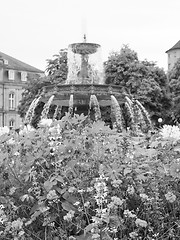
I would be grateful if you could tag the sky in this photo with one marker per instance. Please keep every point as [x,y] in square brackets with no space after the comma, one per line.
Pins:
[34,30]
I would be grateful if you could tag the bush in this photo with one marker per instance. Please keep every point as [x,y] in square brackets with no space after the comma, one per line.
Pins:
[72,177]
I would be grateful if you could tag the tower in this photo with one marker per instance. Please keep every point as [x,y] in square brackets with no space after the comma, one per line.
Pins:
[173,55]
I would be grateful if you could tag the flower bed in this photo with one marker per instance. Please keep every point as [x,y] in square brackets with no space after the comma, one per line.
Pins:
[75,179]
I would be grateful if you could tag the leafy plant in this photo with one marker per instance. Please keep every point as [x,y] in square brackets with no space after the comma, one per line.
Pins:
[75,178]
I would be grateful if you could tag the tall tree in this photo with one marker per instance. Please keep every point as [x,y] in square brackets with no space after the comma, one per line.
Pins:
[174,87]
[142,79]
[56,71]
[57,68]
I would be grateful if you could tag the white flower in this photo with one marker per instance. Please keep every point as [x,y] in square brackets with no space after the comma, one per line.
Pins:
[170,197]
[130,190]
[69,215]
[144,196]
[76,203]
[11,141]
[89,189]
[17,224]
[96,236]
[116,183]
[117,200]
[52,195]
[1,221]
[133,235]
[16,154]
[4,130]
[86,204]
[71,189]
[128,213]
[55,129]
[80,190]
[12,190]
[169,131]
[2,206]
[140,222]
[43,209]
[28,128]
[45,122]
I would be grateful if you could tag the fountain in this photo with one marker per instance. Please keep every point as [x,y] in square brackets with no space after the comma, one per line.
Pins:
[85,89]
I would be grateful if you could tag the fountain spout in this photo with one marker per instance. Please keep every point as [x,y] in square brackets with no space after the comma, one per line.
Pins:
[84,38]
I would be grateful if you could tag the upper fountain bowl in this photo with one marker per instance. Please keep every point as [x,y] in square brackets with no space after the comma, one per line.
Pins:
[84,48]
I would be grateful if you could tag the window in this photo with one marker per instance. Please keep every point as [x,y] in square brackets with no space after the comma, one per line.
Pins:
[11,101]
[5,61]
[11,74]
[11,124]
[24,76]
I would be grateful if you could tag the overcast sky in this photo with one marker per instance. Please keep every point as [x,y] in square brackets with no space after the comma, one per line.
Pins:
[35,30]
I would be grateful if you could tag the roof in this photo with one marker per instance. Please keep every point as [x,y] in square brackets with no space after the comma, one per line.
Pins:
[16,64]
[176,46]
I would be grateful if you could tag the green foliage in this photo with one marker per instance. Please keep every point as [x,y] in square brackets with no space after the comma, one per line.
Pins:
[174,87]
[141,79]
[74,177]
[56,74]
[57,67]
[32,88]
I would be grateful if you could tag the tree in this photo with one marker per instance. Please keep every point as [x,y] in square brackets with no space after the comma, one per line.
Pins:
[33,86]
[56,70]
[174,87]
[57,67]
[143,80]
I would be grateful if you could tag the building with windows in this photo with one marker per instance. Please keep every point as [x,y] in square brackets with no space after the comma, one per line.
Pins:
[173,55]
[13,77]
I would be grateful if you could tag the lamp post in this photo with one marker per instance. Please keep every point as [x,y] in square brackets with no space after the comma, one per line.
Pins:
[160,122]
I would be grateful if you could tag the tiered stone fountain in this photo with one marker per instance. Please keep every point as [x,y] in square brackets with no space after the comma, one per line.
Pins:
[85,88]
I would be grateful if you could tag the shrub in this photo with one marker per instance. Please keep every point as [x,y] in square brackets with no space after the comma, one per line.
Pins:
[72,177]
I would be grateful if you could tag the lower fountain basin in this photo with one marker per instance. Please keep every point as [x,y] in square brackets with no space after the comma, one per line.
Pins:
[81,94]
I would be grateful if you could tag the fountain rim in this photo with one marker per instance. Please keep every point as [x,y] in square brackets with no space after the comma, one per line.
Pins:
[78,47]
[84,43]
[106,86]
[83,91]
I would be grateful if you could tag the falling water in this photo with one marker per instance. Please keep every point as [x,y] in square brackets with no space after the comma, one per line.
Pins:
[130,113]
[44,114]
[57,112]
[93,103]
[128,100]
[96,68]
[30,113]
[89,64]
[71,104]
[138,117]
[145,115]
[116,113]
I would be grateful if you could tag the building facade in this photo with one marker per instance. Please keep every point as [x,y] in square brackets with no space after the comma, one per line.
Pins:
[173,55]
[13,77]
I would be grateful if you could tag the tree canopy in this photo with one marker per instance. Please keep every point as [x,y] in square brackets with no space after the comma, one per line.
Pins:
[174,88]
[143,80]
[56,70]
